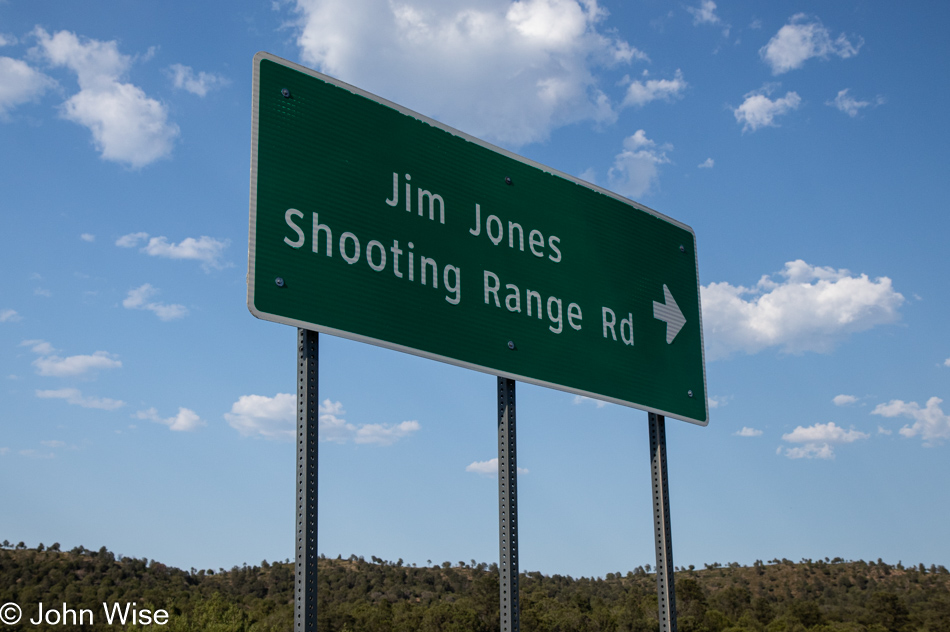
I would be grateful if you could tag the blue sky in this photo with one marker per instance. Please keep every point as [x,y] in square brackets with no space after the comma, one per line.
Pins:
[145,409]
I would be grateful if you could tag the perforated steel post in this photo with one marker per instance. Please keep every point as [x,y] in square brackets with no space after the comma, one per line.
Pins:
[305,589]
[665,587]
[507,508]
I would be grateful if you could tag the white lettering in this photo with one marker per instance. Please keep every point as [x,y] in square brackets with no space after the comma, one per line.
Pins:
[453,287]
[395,200]
[382,255]
[292,212]
[495,239]
[574,311]
[610,320]
[356,247]
[492,289]
[317,227]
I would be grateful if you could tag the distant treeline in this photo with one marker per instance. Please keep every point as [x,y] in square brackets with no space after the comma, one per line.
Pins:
[356,595]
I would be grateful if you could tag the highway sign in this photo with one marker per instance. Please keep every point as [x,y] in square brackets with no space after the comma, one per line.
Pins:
[375,223]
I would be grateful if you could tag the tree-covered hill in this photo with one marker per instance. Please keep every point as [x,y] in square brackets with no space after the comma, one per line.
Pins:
[378,595]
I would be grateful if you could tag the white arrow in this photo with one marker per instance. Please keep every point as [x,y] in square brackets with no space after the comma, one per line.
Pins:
[670,314]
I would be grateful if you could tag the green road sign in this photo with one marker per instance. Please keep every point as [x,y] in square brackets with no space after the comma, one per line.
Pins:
[374,223]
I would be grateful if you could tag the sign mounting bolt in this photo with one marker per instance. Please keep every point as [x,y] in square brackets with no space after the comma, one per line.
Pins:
[285,92]
[508,181]
[682,248]
[511,344]
[690,393]
[279,281]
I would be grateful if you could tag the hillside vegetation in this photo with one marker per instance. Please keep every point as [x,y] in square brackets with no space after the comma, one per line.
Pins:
[382,596]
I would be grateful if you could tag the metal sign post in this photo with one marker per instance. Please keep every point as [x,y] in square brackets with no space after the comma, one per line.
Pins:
[509,606]
[665,588]
[305,559]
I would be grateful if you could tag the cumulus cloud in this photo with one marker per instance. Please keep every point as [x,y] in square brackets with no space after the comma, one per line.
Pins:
[488,468]
[636,168]
[818,440]
[268,417]
[930,422]
[207,250]
[758,110]
[945,362]
[705,13]
[201,83]
[74,396]
[73,366]
[127,126]
[51,365]
[509,72]
[802,39]
[849,105]
[138,298]
[809,308]
[88,237]
[643,92]
[9,316]
[709,163]
[185,421]
[844,400]
[275,418]
[748,432]
[20,83]
[581,399]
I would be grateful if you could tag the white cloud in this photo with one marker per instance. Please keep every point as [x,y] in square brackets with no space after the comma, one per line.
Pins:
[185,421]
[810,308]
[275,418]
[268,417]
[748,432]
[40,347]
[73,366]
[184,78]
[74,396]
[7,40]
[138,299]
[641,93]
[884,431]
[945,362]
[636,169]
[580,399]
[508,72]
[758,110]
[705,13]
[709,163]
[205,249]
[385,434]
[488,468]
[9,316]
[127,126]
[802,39]
[849,105]
[131,240]
[20,83]
[53,444]
[718,402]
[844,400]
[818,440]
[88,237]
[51,365]
[930,422]
[40,291]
